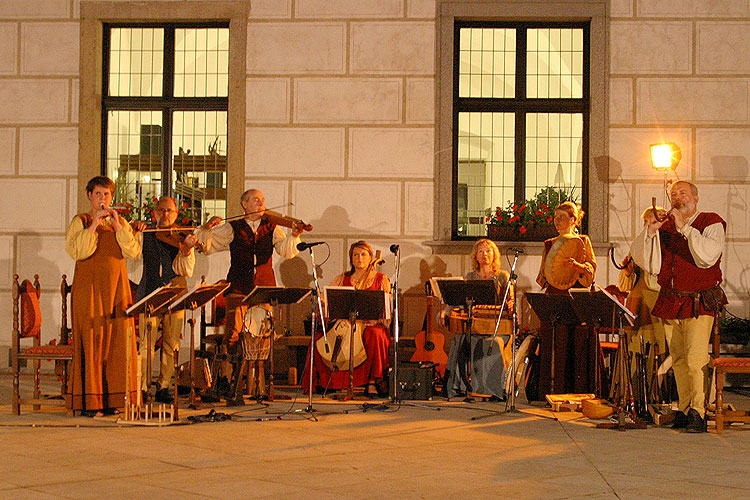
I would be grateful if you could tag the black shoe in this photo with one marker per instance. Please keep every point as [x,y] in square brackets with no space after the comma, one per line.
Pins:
[680,420]
[696,424]
[162,396]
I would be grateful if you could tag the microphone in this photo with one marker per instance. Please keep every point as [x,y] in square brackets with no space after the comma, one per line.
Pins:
[304,246]
[394,248]
[517,250]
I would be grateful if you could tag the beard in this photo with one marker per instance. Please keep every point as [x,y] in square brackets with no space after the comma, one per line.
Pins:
[679,205]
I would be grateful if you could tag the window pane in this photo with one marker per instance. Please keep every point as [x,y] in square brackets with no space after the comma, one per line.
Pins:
[136,59]
[134,149]
[487,62]
[554,152]
[485,167]
[201,62]
[199,148]
[555,63]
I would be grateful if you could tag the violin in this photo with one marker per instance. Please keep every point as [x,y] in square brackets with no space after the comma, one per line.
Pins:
[286,221]
[175,236]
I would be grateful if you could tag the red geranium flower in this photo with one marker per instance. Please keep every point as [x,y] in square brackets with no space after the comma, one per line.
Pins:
[522,229]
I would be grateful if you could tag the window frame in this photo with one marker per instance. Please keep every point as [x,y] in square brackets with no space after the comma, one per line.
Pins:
[94,15]
[520,106]
[595,160]
[167,103]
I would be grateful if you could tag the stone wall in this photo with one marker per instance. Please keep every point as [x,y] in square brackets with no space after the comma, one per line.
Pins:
[679,72]
[340,122]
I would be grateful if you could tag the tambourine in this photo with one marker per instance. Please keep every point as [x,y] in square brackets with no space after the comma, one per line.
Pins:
[557,271]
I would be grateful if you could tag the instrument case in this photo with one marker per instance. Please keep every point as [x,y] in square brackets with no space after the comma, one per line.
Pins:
[416,381]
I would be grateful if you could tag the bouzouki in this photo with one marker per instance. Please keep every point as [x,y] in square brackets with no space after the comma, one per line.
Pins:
[430,344]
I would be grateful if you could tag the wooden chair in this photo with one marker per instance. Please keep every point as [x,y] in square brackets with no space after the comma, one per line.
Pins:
[27,326]
[722,365]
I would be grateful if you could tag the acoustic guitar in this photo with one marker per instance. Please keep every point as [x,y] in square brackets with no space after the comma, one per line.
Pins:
[430,343]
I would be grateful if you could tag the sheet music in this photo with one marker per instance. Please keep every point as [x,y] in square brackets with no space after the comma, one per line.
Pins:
[219,288]
[629,316]
[436,288]
[157,291]
[386,296]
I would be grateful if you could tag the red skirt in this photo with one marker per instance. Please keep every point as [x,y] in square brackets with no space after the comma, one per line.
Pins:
[376,341]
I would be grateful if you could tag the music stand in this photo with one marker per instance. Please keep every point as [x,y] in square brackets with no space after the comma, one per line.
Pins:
[468,293]
[154,303]
[197,297]
[596,307]
[345,302]
[553,309]
[274,295]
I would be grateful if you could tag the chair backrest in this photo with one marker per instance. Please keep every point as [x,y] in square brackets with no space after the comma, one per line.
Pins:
[27,316]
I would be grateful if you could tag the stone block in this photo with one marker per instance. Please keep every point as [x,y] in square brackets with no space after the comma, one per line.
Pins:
[620,101]
[34,101]
[45,256]
[692,8]
[270,9]
[621,8]
[43,202]
[421,8]
[267,100]
[51,151]
[722,154]
[214,267]
[630,150]
[8,48]
[297,272]
[49,49]
[731,202]
[736,270]
[46,9]
[7,150]
[296,152]
[391,152]
[419,206]
[72,206]
[650,47]
[722,47]
[276,194]
[621,211]
[348,9]
[404,47]
[420,100]
[6,261]
[697,100]
[347,100]
[306,48]
[75,96]
[349,207]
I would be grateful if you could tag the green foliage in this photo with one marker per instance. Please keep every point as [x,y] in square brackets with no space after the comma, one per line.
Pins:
[536,211]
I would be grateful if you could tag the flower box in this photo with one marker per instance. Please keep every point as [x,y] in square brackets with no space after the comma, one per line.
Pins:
[541,232]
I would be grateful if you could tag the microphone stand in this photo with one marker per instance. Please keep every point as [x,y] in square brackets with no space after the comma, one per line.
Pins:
[315,311]
[396,326]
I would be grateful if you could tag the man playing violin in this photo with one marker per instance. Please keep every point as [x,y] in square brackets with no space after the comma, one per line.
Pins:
[685,250]
[165,260]
[251,242]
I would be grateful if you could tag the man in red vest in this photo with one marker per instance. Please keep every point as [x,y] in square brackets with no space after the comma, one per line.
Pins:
[251,242]
[685,251]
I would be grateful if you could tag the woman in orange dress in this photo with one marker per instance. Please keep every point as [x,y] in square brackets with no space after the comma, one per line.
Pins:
[100,241]
[375,337]
[575,346]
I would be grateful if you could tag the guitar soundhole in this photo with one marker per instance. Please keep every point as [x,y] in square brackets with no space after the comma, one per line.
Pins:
[429,346]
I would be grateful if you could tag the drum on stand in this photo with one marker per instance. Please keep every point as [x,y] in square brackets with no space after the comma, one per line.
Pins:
[255,341]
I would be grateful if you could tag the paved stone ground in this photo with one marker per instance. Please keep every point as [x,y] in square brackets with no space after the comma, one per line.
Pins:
[462,451]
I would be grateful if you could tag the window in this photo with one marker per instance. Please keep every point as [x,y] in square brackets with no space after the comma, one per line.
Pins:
[521,101]
[521,105]
[165,115]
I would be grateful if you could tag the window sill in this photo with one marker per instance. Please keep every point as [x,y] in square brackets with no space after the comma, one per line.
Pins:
[463,247]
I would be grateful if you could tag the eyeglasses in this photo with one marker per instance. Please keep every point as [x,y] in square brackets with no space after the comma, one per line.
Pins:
[166,210]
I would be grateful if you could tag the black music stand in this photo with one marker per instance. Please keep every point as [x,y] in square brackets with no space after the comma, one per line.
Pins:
[601,306]
[345,302]
[197,297]
[155,303]
[274,295]
[553,309]
[468,293]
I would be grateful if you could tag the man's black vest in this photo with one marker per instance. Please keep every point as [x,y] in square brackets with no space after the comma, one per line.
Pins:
[251,253]
[157,265]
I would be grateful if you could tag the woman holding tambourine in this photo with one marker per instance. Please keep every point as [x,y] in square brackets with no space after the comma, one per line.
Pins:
[568,261]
